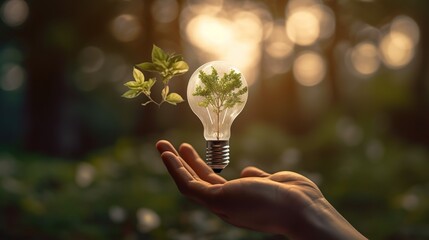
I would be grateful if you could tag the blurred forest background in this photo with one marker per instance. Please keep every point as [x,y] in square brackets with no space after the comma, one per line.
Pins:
[338,92]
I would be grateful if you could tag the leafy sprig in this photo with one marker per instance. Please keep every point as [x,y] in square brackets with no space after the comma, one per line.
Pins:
[167,66]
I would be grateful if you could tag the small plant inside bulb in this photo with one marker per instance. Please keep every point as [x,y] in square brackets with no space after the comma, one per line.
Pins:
[217,92]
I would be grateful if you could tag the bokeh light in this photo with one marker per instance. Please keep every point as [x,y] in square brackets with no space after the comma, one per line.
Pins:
[398,45]
[119,69]
[165,11]
[91,59]
[348,132]
[7,165]
[147,219]
[326,19]
[290,157]
[278,48]
[14,12]
[125,28]
[374,149]
[302,27]
[117,214]
[278,45]
[308,21]
[309,68]
[410,201]
[12,77]
[12,185]
[364,58]
[407,26]
[85,174]
[397,49]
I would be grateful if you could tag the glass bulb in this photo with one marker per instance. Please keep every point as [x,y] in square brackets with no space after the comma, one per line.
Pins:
[217,92]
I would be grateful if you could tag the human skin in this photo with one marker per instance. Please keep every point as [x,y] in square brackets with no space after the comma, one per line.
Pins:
[284,203]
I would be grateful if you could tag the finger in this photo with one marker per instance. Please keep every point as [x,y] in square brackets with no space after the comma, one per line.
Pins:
[188,153]
[164,146]
[253,172]
[186,182]
[176,169]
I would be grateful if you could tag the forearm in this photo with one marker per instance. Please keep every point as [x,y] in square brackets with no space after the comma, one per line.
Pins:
[322,221]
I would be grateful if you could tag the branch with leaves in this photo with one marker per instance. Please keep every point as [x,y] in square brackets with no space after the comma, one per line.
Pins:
[220,93]
[167,66]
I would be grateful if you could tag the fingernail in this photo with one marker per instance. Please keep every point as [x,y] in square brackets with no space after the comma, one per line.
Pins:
[160,145]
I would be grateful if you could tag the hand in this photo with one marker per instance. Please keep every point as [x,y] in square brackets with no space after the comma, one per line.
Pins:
[283,203]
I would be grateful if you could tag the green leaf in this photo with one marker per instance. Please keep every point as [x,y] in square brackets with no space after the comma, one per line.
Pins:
[131,93]
[203,104]
[148,66]
[151,82]
[179,67]
[158,55]
[175,58]
[133,84]
[147,86]
[138,75]
[174,98]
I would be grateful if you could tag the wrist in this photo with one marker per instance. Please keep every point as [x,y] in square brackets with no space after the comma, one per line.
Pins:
[320,220]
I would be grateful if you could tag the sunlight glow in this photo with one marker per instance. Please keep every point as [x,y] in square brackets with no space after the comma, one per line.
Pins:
[234,37]
[209,32]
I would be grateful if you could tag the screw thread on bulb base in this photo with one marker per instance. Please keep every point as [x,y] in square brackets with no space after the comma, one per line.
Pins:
[217,155]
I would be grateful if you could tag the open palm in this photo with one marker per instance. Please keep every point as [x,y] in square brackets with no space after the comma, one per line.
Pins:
[283,203]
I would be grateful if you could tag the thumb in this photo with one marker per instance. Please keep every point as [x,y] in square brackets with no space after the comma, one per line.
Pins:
[253,172]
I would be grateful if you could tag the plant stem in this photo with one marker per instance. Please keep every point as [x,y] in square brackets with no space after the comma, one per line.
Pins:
[153,101]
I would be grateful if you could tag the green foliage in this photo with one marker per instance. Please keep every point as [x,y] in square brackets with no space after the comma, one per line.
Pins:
[220,93]
[167,66]
[43,198]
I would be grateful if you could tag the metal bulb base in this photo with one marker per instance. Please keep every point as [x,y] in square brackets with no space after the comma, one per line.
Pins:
[217,155]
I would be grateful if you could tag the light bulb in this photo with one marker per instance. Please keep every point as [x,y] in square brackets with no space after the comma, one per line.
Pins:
[217,92]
